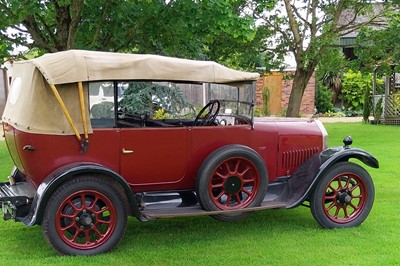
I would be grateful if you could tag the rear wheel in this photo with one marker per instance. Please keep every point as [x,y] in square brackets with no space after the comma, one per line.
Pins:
[84,216]
[344,197]
[231,178]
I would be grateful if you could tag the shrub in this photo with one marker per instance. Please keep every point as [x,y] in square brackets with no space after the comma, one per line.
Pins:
[334,114]
[257,112]
[102,110]
[323,99]
[282,113]
[353,92]
[265,99]
[161,114]
[147,98]
[350,112]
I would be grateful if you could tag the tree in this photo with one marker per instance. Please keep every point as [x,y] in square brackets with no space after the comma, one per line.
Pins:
[213,30]
[47,25]
[380,46]
[330,71]
[308,29]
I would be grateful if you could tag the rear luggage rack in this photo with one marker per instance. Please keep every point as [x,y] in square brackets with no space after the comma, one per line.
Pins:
[18,194]
[14,197]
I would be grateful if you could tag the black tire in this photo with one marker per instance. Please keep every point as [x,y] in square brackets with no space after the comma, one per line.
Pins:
[343,197]
[232,177]
[96,227]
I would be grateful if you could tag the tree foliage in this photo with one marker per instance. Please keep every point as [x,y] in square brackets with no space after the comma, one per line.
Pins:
[380,46]
[354,86]
[48,25]
[239,33]
[330,71]
[307,30]
[323,99]
[213,30]
[148,98]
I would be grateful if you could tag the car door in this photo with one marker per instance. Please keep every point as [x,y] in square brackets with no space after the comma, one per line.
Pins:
[154,158]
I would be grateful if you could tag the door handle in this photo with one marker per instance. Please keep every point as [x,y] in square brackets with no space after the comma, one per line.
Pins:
[126,151]
[28,148]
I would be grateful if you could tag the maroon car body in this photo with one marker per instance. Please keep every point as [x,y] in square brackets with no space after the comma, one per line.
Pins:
[80,182]
[172,158]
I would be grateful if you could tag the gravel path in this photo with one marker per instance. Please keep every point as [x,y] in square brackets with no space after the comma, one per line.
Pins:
[341,119]
[322,119]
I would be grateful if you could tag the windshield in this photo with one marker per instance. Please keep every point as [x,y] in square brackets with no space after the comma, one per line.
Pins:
[234,100]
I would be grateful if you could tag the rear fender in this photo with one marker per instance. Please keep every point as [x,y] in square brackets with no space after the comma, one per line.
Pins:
[326,159]
[54,180]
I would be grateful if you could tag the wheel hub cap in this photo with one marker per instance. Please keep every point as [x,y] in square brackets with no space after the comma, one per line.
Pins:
[233,185]
[344,197]
[85,219]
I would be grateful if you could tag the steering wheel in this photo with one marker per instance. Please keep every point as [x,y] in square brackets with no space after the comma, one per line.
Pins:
[206,119]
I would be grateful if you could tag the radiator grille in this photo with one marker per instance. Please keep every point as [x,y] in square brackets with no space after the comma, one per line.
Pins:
[291,159]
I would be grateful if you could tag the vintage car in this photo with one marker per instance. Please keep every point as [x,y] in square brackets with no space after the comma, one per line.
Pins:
[98,136]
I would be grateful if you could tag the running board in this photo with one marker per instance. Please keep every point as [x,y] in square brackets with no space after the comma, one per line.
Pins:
[168,205]
[171,209]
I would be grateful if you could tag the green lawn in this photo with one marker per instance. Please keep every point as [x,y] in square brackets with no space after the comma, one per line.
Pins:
[271,237]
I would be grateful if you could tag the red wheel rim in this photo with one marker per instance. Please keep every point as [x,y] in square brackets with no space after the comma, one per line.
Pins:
[344,198]
[86,219]
[234,184]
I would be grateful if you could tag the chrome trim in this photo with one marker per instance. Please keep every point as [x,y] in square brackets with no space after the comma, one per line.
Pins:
[126,151]
[324,134]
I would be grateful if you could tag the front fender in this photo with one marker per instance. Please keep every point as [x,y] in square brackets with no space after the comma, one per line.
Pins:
[333,155]
[52,182]
[326,159]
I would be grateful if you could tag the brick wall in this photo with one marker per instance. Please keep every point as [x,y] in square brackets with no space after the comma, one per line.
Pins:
[308,100]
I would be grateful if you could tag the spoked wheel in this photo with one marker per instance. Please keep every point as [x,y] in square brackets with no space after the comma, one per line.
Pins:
[234,184]
[344,197]
[85,216]
[233,177]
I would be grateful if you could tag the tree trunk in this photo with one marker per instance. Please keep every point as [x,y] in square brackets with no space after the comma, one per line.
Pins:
[300,81]
[76,10]
[63,20]
[60,36]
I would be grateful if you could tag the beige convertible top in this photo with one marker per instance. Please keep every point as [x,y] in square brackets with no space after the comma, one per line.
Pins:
[77,65]
[33,106]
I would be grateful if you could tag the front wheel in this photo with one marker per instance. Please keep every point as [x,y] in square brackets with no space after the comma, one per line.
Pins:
[84,216]
[343,197]
[231,178]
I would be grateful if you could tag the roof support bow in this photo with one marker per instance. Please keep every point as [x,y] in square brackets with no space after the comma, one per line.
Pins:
[83,143]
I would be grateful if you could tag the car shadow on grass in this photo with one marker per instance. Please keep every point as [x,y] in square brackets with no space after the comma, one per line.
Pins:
[194,231]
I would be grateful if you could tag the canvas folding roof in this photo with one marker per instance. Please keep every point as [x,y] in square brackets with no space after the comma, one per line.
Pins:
[78,65]
[33,105]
